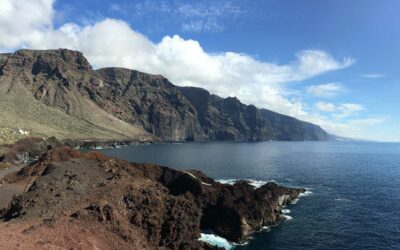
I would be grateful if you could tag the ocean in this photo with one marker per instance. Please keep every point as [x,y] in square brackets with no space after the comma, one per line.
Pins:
[353,199]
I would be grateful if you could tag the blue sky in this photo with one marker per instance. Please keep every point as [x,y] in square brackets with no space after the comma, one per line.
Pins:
[333,62]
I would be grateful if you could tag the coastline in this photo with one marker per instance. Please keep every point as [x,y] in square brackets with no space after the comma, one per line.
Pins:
[190,187]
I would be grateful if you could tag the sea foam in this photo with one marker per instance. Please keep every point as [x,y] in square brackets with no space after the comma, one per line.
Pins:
[306,193]
[287,217]
[216,240]
[255,183]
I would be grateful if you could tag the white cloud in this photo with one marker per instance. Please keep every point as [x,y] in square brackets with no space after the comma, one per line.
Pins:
[343,110]
[201,10]
[198,16]
[150,7]
[117,8]
[325,107]
[202,25]
[112,42]
[351,107]
[367,121]
[22,21]
[348,109]
[373,75]
[315,61]
[203,16]
[327,89]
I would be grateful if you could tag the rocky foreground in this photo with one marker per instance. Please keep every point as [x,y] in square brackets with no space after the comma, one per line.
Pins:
[76,200]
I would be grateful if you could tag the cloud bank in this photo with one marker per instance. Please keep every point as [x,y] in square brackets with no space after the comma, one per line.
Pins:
[111,42]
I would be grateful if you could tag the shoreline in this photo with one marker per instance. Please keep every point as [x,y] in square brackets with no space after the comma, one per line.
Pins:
[80,185]
[113,143]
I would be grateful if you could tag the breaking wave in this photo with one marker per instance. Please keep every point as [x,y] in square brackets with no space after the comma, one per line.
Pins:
[216,240]
[253,182]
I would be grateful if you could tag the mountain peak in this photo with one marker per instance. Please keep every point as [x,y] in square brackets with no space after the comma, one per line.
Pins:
[45,61]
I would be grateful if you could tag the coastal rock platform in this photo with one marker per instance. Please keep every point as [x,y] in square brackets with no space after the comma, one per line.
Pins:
[83,200]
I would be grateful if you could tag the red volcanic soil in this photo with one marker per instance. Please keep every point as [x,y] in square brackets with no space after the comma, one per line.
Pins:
[78,200]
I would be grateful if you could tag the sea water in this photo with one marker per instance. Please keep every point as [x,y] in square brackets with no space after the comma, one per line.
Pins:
[353,188]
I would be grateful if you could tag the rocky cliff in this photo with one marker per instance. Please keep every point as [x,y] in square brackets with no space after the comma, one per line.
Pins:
[75,101]
[76,200]
[229,119]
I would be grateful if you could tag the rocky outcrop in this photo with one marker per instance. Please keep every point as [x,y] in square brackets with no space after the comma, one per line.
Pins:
[127,203]
[122,103]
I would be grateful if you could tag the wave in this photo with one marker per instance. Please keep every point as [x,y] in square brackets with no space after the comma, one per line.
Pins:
[216,240]
[254,182]
[308,192]
[286,211]
[287,217]
[342,199]
[266,228]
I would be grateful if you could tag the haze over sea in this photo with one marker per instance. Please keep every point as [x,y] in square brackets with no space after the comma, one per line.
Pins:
[355,200]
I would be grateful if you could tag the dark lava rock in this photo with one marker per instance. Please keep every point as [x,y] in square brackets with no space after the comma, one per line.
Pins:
[27,150]
[167,207]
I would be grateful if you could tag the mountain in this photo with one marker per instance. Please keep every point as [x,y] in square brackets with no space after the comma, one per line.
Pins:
[57,93]
[229,119]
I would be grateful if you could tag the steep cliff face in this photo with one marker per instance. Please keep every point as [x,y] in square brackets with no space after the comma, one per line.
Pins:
[149,101]
[229,119]
[126,103]
[290,129]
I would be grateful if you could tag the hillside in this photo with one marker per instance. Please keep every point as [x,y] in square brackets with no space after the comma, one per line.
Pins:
[57,93]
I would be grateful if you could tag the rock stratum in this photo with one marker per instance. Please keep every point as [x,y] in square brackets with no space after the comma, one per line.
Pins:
[58,93]
[76,200]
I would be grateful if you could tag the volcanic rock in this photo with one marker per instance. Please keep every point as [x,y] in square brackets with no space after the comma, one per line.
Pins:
[129,203]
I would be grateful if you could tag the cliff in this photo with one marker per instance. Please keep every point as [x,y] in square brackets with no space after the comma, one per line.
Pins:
[57,93]
[229,119]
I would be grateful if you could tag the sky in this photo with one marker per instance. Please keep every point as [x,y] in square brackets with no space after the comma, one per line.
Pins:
[332,62]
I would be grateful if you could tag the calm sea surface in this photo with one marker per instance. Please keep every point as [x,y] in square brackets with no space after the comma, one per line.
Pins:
[355,200]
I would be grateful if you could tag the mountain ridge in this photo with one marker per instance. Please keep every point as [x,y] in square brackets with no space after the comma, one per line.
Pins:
[112,103]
